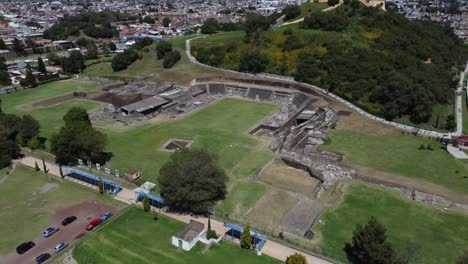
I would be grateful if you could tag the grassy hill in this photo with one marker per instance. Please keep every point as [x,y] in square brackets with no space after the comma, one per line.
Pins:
[386,64]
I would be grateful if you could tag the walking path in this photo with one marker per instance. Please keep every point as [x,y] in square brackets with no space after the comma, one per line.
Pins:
[271,248]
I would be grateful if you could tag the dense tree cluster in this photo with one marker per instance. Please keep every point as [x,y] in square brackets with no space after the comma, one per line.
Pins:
[16,131]
[171,58]
[4,76]
[74,63]
[291,11]
[121,61]
[296,258]
[210,26]
[162,48]
[78,139]
[93,24]
[192,181]
[380,61]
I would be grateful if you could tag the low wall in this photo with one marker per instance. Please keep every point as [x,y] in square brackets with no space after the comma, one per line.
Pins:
[289,79]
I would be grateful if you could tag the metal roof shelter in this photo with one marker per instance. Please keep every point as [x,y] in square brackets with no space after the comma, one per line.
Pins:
[154,200]
[108,185]
[145,106]
[259,240]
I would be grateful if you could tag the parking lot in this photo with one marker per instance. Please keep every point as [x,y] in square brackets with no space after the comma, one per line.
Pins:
[85,212]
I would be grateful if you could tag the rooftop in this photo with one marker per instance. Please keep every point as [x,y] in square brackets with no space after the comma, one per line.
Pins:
[190,231]
[145,104]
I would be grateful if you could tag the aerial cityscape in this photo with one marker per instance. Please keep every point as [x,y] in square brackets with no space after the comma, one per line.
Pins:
[234,131]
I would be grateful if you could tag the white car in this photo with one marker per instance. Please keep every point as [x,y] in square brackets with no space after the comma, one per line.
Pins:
[50,231]
[59,247]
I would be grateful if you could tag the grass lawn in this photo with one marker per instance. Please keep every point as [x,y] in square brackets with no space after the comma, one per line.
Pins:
[240,198]
[221,128]
[28,201]
[442,236]
[50,118]
[399,154]
[135,237]
[182,73]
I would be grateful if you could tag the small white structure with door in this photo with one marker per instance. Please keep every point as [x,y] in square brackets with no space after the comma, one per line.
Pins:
[188,237]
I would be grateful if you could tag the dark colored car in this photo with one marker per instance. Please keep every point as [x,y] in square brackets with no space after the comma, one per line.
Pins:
[21,249]
[93,224]
[42,257]
[106,216]
[68,220]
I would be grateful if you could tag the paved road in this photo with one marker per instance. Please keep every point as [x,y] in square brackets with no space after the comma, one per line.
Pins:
[459,104]
[271,248]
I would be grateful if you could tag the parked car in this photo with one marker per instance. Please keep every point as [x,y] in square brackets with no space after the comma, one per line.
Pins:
[59,247]
[93,224]
[50,231]
[42,257]
[21,249]
[106,216]
[68,220]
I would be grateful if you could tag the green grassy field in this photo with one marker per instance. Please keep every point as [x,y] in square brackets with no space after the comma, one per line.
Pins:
[135,237]
[221,128]
[28,201]
[442,236]
[399,154]
[50,118]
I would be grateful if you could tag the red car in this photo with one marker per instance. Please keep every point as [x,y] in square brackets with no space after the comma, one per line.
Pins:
[93,224]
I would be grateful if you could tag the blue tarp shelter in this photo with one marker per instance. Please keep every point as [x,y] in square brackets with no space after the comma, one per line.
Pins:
[112,186]
[154,200]
[258,239]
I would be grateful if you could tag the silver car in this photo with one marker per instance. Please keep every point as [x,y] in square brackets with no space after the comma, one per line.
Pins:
[50,231]
[59,247]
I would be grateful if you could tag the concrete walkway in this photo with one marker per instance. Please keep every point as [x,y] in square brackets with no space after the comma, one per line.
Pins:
[456,152]
[271,248]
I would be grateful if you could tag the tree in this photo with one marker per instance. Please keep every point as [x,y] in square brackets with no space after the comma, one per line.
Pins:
[112,46]
[121,61]
[148,20]
[255,22]
[40,65]
[450,123]
[210,233]
[463,259]
[296,258]
[171,58]
[18,47]
[78,139]
[74,63]
[333,2]
[101,186]
[369,246]
[162,48]
[34,143]
[36,166]
[210,26]
[29,128]
[166,22]
[61,172]
[4,78]
[253,61]
[291,11]
[246,239]
[92,51]
[146,204]
[192,181]
[44,166]
[3,46]
[30,79]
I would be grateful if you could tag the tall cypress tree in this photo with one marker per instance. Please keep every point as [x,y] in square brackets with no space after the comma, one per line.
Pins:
[246,239]
[40,65]
[30,79]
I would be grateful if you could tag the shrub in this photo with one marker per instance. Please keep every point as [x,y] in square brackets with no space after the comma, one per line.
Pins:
[171,58]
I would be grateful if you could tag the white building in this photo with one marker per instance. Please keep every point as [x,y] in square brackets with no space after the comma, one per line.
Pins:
[188,237]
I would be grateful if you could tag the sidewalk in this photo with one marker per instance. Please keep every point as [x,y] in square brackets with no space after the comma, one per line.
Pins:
[271,248]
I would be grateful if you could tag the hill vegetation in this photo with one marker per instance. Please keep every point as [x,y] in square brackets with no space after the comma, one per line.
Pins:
[93,24]
[379,60]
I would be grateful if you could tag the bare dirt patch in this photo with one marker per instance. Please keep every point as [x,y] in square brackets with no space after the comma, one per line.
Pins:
[280,175]
[301,217]
[270,210]
[84,211]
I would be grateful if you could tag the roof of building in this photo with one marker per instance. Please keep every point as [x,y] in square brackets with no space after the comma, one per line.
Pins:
[145,104]
[190,231]
[132,171]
